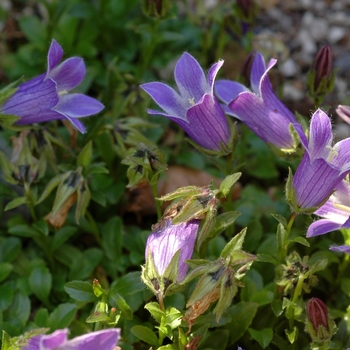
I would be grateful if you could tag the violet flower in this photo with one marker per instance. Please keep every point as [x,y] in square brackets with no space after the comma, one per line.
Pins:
[194,108]
[259,109]
[344,113]
[335,212]
[323,166]
[45,97]
[166,241]
[105,339]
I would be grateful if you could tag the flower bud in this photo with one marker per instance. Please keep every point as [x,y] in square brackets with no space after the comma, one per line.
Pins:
[247,7]
[322,65]
[167,249]
[318,324]
[155,8]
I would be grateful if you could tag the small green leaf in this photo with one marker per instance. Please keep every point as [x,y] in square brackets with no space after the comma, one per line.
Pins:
[235,243]
[62,316]
[9,249]
[262,336]
[16,203]
[281,219]
[41,317]
[292,335]
[7,293]
[85,156]
[228,182]
[5,270]
[80,291]
[98,317]
[40,282]
[145,334]
[155,310]
[122,306]
[300,240]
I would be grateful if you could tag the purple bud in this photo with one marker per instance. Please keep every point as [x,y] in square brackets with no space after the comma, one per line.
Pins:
[317,313]
[166,241]
[322,65]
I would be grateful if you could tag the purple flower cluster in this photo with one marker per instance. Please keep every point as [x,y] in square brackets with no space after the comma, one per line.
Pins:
[46,97]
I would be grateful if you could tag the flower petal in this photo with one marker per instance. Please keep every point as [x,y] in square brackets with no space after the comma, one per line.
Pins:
[344,113]
[105,339]
[213,71]
[47,341]
[321,227]
[167,99]
[341,248]
[265,122]
[321,135]
[77,123]
[228,90]
[258,70]
[78,105]
[190,78]
[69,74]
[54,55]
[207,123]
[33,102]
[341,158]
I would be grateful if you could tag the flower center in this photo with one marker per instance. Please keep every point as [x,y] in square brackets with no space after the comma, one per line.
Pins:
[191,101]
[332,153]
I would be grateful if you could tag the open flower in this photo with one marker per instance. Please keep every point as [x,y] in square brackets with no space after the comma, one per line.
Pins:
[105,339]
[323,167]
[335,212]
[167,240]
[194,108]
[259,109]
[45,97]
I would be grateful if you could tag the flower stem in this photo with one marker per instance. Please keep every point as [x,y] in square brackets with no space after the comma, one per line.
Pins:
[155,195]
[30,201]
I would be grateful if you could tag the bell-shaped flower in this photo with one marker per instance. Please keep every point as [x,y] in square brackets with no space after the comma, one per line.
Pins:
[166,241]
[105,339]
[323,166]
[259,109]
[335,213]
[46,97]
[194,107]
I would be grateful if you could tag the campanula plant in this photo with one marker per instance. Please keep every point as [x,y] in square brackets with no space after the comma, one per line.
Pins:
[46,97]
[194,107]
[259,109]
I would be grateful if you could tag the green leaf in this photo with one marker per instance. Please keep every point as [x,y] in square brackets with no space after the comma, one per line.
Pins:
[155,310]
[262,297]
[34,29]
[41,317]
[345,286]
[145,334]
[223,221]
[19,311]
[228,182]
[16,203]
[266,258]
[277,307]
[9,249]
[112,238]
[54,182]
[318,266]
[129,284]
[62,316]
[281,219]
[7,293]
[262,336]
[80,291]
[5,270]
[122,305]
[40,282]
[242,316]
[87,262]
[23,231]
[235,243]
[300,240]
[61,236]
[98,317]
[85,156]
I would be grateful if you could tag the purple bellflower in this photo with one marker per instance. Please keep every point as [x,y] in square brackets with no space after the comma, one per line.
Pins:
[166,241]
[105,339]
[194,108]
[45,97]
[259,109]
[335,214]
[323,166]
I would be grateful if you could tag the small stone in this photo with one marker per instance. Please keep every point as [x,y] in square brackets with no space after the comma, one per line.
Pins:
[290,92]
[335,34]
[307,42]
[289,68]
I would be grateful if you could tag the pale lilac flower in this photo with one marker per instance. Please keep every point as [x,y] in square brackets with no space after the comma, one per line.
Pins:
[194,108]
[166,241]
[259,109]
[335,212]
[45,97]
[341,249]
[105,339]
[323,166]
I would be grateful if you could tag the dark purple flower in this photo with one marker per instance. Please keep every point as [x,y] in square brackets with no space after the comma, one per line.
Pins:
[259,109]
[335,212]
[105,339]
[323,166]
[194,108]
[166,241]
[46,97]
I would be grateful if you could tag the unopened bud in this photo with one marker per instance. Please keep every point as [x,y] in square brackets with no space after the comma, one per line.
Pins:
[247,7]
[323,65]
[318,324]
[155,8]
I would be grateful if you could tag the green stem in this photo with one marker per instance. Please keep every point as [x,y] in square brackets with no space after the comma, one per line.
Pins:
[155,195]
[30,201]
[297,292]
